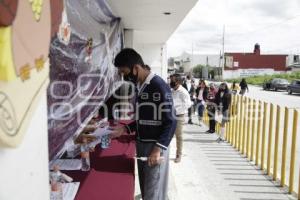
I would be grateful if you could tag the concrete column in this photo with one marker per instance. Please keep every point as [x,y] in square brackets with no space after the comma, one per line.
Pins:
[128,37]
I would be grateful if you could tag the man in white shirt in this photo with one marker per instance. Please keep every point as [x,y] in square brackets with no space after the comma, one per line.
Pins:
[190,87]
[182,103]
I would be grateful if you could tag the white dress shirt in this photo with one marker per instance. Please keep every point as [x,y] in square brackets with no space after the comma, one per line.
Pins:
[182,100]
[200,95]
[188,85]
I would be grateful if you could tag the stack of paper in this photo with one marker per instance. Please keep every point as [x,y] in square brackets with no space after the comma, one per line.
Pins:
[70,190]
[67,164]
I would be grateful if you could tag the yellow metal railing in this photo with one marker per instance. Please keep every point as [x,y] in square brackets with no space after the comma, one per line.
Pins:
[255,130]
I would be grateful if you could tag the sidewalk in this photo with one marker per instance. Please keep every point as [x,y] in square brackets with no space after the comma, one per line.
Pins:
[213,171]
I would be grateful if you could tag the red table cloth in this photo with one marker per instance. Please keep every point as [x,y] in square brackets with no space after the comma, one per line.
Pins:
[112,172]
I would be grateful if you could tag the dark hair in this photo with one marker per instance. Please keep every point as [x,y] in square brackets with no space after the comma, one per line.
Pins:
[233,84]
[226,87]
[177,78]
[188,77]
[128,58]
[146,67]
[202,81]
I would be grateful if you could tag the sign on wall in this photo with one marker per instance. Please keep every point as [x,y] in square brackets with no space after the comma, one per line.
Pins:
[24,43]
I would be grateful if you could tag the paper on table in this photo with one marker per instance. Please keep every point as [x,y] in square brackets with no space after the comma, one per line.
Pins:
[98,133]
[67,164]
[70,190]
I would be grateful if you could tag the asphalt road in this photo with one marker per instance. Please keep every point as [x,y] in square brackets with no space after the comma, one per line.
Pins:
[281,98]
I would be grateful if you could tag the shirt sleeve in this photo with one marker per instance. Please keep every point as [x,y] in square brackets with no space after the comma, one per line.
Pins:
[168,118]
[131,127]
[185,98]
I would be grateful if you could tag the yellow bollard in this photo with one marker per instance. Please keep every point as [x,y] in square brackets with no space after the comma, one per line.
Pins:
[263,138]
[230,123]
[254,120]
[244,124]
[249,125]
[276,143]
[253,130]
[299,186]
[270,139]
[237,121]
[284,144]
[233,120]
[293,152]
[241,123]
[258,134]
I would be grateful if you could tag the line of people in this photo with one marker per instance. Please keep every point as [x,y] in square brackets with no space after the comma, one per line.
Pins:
[215,99]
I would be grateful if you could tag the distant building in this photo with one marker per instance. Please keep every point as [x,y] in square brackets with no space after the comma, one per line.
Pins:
[251,64]
[294,63]
[186,62]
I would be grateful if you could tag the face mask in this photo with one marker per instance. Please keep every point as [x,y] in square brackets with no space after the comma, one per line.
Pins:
[173,84]
[131,77]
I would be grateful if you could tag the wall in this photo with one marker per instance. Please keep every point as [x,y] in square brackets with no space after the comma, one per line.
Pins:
[228,74]
[154,56]
[24,171]
[249,60]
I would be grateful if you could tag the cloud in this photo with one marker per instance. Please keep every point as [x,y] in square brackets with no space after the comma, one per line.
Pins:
[274,24]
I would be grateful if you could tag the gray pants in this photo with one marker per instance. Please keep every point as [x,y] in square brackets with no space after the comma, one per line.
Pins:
[153,180]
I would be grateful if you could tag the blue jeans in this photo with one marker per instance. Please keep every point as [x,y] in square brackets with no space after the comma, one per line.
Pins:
[200,108]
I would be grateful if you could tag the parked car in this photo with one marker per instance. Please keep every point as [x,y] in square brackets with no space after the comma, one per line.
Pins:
[276,84]
[294,87]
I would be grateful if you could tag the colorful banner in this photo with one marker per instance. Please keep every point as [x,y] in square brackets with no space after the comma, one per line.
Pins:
[82,75]
[25,28]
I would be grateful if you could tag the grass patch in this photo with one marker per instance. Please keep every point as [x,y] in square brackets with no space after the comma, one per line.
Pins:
[259,80]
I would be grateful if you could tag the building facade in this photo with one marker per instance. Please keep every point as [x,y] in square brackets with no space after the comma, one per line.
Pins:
[251,64]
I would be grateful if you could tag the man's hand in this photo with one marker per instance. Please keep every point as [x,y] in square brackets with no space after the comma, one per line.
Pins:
[154,158]
[117,131]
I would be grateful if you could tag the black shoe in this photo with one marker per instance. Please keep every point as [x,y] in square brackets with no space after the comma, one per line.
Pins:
[190,122]
[212,132]
[208,131]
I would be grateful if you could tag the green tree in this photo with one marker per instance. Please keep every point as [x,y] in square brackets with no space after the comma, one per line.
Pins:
[197,71]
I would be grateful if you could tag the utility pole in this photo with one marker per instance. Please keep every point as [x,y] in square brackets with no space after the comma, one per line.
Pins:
[192,59]
[223,49]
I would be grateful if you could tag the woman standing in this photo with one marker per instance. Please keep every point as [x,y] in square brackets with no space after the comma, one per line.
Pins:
[223,101]
[234,87]
[244,87]
[201,95]
[211,107]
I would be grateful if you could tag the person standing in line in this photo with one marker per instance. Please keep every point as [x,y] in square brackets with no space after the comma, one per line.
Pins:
[223,101]
[244,87]
[201,95]
[182,103]
[154,123]
[211,107]
[234,88]
[189,85]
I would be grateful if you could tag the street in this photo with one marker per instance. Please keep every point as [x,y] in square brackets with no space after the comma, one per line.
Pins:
[281,98]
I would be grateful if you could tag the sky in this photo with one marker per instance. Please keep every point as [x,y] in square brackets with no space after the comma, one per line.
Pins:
[274,24]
